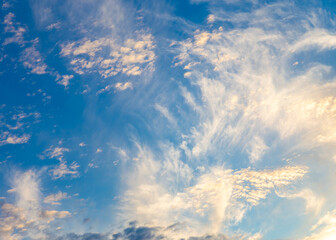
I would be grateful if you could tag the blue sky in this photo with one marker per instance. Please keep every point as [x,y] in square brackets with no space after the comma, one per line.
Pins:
[191,119]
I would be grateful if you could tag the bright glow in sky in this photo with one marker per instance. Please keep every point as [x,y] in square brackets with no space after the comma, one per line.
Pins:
[185,119]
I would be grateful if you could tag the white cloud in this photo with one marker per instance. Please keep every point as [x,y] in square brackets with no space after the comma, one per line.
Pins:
[52,214]
[165,112]
[319,39]
[314,203]
[6,4]
[123,86]
[131,57]
[242,101]
[211,18]
[201,38]
[15,121]
[8,138]
[26,217]
[325,228]
[54,26]
[64,80]
[105,89]
[118,86]
[56,152]
[63,169]
[55,198]
[218,196]
[33,60]
[256,149]
[190,99]
[14,28]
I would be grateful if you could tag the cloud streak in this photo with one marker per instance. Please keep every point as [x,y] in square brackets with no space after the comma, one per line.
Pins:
[244,101]
[222,196]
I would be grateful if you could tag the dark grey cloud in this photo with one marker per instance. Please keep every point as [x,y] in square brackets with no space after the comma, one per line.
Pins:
[134,232]
[86,236]
[210,237]
[131,232]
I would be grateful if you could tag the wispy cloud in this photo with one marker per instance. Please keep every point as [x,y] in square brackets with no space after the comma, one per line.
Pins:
[26,217]
[56,152]
[63,169]
[247,93]
[14,125]
[118,86]
[244,101]
[314,203]
[324,228]
[222,196]
[165,112]
[54,26]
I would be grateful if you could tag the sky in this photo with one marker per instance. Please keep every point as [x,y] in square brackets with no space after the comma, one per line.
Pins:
[168,119]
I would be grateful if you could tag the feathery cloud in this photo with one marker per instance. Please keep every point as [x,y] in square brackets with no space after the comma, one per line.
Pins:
[26,217]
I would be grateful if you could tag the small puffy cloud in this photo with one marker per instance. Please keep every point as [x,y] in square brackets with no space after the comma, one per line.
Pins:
[56,152]
[131,57]
[211,18]
[15,29]
[63,169]
[92,164]
[7,138]
[52,214]
[99,150]
[6,4]
[55,198]
[14,122]
[54,26]
[187,74]
[118,86]
[64,80]
[17,140]
[123,86]
[82,144]
[105,89]
[32,59]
